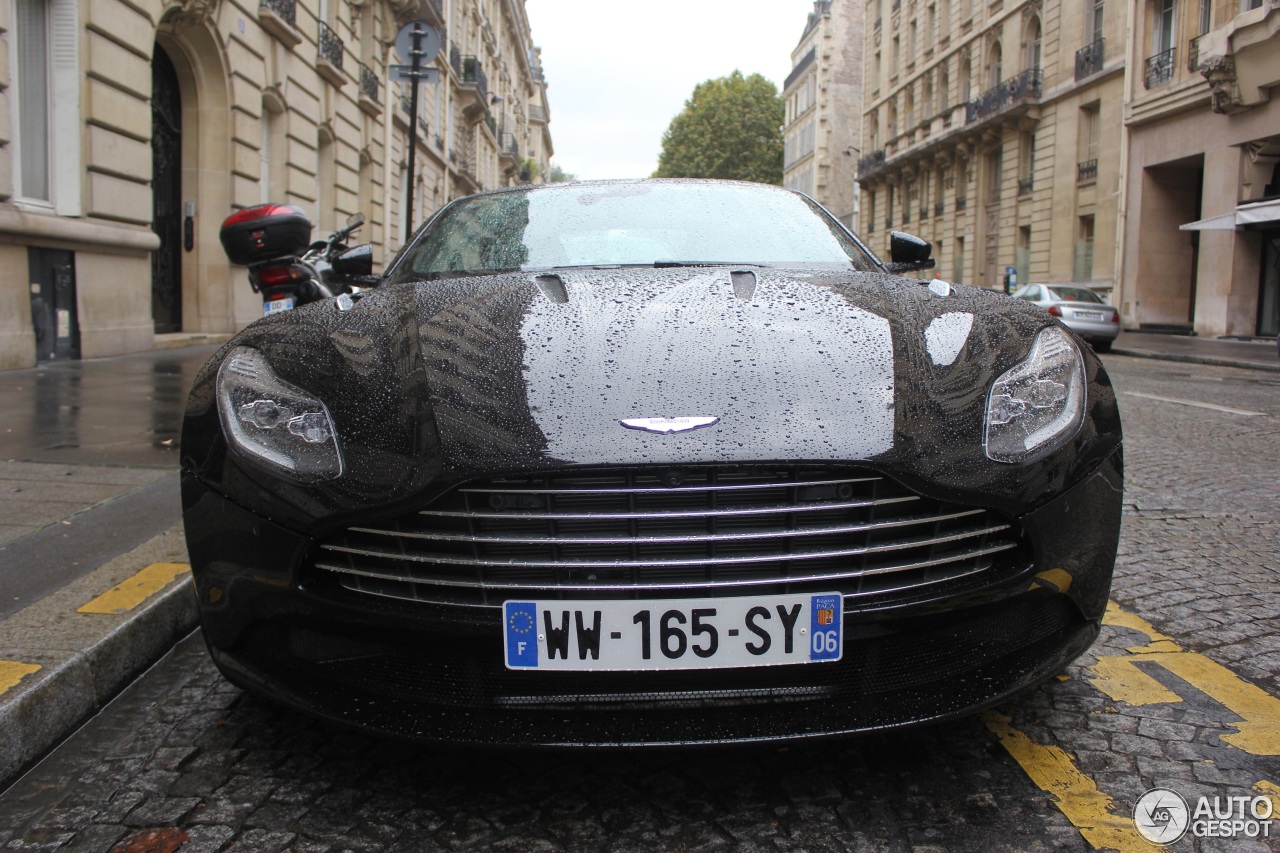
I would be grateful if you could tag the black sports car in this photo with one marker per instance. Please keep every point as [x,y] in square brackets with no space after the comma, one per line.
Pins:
[650,462]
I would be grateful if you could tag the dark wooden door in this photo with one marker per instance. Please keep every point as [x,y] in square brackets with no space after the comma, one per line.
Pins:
[166,189]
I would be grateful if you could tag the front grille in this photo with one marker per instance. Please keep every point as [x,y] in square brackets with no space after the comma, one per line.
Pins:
[669,533]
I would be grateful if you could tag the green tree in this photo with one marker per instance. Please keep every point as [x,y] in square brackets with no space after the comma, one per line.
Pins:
[558,175]
[730,128]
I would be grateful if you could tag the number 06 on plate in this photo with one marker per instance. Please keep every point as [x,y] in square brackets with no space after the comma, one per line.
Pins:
[676,633]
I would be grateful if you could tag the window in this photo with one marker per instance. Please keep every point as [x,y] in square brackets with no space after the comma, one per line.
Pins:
[966,72]
[32,49]
[1033,44]
[944,83]
[1093,21]
[995,174]
[911,44]
[995,63]
[44,69]
[1027,156]
[1083,270]
[895,57]
[958,272]
[932,33]
[1162,38]
[1206,14]
[1089,132]
[1023,253]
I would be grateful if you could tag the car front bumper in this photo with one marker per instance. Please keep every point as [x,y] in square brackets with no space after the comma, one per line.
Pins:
[435,672]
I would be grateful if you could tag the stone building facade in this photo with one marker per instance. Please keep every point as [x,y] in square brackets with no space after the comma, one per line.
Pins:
[823,95]
[1202,242]
[133,127]
[991,128]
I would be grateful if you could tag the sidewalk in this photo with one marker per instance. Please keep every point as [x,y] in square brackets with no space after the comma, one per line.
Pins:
[1252,355]
[92,558]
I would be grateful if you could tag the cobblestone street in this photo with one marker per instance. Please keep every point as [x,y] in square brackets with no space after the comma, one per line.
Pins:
[184,761]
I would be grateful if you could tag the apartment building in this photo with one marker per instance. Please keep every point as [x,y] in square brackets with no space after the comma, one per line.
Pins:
[823,95]
[991,128]
[1202,243]
[134,128]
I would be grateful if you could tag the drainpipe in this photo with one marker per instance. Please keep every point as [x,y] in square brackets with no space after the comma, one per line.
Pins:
[1122,194]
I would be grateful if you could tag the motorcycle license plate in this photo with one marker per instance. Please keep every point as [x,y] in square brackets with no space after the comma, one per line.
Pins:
[676,633]
[271,306]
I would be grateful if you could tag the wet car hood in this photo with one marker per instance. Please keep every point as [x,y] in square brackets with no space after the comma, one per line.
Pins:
[437,382]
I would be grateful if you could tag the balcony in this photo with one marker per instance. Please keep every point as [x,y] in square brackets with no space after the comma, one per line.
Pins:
[869,165]
[961,204]
[1086,171]
[1014,92]
[439,140]
[924,213]
[906,216]
[1159,68]
[888,223]
[940,208]
[1026,186]
[508,153]
[369,91]
[329,55]
[1089,59]
[1193,54]
[537,114]
[474,87]
[280,18]
[455,60]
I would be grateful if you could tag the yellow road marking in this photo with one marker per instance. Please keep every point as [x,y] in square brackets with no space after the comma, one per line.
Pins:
[1271,792]
[1258,732]
[12,671]
[129,593]
[1122,681]
[1078,796]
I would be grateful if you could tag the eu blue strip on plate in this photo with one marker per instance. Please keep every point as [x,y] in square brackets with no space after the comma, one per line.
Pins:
[521,620]
[825,630]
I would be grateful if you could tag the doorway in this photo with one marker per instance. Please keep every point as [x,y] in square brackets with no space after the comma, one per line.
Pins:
[54,316]
[1269,285]
[166,193]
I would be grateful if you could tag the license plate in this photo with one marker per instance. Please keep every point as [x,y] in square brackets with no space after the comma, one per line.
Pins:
[271,306]
[1089,315]
[676,633]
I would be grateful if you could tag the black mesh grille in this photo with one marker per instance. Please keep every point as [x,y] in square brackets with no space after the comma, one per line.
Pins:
[660,533]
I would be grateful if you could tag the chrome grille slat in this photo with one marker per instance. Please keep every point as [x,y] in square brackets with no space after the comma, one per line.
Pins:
[587,490]
[709,561]
[645,540]
[606,516]
[601,586]
[649,532]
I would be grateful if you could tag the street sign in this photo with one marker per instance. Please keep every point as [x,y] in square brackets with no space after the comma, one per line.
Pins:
[405,74]
[427,43]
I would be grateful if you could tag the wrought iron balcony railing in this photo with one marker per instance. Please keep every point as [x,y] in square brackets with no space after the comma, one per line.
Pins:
[330,47]
[940,208]
[906,216]
[368,83]
[1026,186]
[1086,170]
[1089,59]
[455,60]
[1193,54]
[287,10]
[1017,90]
[871,164]
[473,72]
[888,223]
[924,213]
[961,204]
[1159,68]
[439,142]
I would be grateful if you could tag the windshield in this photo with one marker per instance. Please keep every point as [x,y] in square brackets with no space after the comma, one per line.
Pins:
[647,224]
[1075,294]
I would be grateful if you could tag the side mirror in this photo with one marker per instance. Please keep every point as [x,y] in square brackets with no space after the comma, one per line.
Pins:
[354,221]
[907,253]
[356,261]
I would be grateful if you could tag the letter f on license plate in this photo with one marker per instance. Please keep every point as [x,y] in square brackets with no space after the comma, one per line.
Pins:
[660,634]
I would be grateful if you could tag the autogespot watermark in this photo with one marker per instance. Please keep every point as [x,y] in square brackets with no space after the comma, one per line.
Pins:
[1163,816]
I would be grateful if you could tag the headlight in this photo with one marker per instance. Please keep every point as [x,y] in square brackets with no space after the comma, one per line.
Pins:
[1037,406]
[273,422]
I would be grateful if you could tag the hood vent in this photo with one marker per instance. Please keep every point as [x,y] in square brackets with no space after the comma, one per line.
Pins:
[553,288]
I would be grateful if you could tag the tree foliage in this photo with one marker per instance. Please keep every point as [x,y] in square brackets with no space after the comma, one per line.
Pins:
[730,128]
[557,175]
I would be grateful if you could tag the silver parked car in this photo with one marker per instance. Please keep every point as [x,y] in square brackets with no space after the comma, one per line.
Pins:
[1083,311]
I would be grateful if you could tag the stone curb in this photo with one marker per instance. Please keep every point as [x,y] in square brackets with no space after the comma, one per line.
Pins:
[37,716]
[1210,360]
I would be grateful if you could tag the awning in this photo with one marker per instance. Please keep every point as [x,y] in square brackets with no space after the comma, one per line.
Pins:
[1254,213]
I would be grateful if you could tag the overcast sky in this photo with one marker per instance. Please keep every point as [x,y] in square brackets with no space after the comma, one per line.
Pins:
[618,73]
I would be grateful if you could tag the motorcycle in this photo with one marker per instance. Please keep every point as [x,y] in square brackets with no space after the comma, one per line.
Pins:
[273,241]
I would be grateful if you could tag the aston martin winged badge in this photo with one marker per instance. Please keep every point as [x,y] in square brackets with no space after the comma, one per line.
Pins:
[665,426]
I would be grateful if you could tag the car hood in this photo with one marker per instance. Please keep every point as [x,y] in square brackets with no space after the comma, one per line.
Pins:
[436,382]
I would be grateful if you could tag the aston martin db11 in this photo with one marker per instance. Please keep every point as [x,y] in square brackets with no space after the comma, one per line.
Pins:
[650,462]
